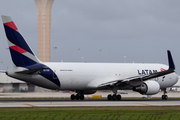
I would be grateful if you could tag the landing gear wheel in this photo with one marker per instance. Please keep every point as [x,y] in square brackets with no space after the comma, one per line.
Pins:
[118,97]
[81,97]
[164,97]
[77,96]
[72,97]
[114,97]
[109,97]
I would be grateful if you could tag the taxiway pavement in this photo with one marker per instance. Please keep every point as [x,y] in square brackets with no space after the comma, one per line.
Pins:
[141,100]
[66,95]
[42,103]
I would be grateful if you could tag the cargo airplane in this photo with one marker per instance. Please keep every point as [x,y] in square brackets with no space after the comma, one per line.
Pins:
[86,78]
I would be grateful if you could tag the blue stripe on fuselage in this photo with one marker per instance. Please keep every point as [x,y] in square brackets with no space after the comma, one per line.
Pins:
[50,75]
[47,73]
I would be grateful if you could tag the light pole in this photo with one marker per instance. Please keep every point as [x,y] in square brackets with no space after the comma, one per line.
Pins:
[55,52]
[125,59]
[62,56]
[77,53]
[109,56]
[99,55]
[82,59]
[1,65]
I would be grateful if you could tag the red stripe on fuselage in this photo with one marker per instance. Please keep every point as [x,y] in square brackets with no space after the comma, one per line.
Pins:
[18,49]
[11,25]
[162,69]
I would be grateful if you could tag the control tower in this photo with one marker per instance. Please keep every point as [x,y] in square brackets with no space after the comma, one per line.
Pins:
[44,8]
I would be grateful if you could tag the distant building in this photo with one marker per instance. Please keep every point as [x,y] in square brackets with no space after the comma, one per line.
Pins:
[8,84]
[44,8]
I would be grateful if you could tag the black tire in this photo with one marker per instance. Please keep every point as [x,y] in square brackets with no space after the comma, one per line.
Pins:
[77,96]
[114,97]
[118,97]
[81,97]
[164,97]
[109,97]
[72,97]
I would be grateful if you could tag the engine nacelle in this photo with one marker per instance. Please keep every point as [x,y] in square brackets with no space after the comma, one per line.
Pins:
[148,88]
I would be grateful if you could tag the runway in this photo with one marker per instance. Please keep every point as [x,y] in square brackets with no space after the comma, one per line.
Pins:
[68,103]
[130,99]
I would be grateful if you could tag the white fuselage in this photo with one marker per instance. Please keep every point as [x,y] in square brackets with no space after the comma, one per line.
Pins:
[87,76]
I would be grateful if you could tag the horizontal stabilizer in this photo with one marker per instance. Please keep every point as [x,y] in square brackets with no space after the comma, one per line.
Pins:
[2,71]
[31,71]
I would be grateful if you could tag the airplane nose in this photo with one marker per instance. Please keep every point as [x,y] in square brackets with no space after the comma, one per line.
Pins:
[177,77]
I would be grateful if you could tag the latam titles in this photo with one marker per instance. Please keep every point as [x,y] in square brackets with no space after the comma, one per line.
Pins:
[146,72]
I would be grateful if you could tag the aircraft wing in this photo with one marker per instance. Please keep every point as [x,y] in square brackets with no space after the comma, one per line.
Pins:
[2,71]
[138,80]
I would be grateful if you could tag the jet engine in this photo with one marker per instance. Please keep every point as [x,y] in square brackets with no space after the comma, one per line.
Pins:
[148,88]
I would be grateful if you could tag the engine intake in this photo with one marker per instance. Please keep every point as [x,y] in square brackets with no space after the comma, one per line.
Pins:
[148,88]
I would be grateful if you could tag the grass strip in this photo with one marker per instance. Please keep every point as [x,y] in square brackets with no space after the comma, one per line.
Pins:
[93,113]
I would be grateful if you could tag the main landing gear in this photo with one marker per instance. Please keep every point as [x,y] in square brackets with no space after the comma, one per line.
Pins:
[114,97]
[164,96]
[77,97]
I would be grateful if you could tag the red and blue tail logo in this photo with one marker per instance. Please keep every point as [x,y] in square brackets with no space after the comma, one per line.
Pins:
[21,53]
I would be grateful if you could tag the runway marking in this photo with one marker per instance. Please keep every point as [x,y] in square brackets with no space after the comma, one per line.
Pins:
[143,104]
[29,105]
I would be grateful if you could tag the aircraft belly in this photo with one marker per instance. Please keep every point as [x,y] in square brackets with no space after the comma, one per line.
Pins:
[73,83]
[41,81]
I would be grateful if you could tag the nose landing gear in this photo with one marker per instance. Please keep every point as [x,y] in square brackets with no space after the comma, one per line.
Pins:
[164,96]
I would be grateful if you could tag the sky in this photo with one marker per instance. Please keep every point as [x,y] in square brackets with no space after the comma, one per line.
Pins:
[103,30]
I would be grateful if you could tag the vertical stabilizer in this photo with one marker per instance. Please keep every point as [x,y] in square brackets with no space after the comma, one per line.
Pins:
[21,53]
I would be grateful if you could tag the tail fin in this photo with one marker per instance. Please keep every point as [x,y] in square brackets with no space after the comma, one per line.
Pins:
[21,53]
